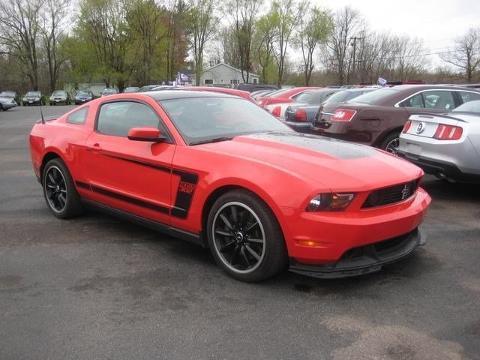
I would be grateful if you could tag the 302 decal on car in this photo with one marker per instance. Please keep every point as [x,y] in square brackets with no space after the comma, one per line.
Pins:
[220,171]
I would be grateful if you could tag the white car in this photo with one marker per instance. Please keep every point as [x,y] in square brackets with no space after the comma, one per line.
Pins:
[445,145]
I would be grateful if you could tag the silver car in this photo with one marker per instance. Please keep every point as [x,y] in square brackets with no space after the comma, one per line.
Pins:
[7,100]
[446,145]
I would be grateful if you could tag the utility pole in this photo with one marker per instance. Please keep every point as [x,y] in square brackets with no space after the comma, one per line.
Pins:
[354,40]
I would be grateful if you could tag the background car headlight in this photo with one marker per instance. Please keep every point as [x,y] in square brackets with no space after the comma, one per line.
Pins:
[330,202]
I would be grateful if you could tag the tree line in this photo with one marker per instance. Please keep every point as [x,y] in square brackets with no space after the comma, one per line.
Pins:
[46,43]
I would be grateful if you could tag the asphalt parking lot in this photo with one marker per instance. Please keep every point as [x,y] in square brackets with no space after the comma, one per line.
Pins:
[99,288]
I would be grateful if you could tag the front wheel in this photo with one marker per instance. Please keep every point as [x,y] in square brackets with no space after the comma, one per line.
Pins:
[245,237]
[59,190]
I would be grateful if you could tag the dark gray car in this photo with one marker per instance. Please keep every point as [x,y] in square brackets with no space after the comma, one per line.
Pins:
[300,115]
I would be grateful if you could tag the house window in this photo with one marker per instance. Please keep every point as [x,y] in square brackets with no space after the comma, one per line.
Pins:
[255,81]
[208,81]
[234,82]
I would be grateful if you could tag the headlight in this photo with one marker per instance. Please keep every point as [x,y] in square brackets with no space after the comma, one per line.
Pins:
[330,202]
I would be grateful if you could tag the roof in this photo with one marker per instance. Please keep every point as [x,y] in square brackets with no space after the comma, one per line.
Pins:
[229,66]
[182,94]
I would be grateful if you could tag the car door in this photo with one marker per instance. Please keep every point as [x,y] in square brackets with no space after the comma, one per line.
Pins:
[134,176]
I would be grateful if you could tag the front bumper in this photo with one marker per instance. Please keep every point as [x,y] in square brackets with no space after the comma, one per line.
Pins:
[7,106]
[324,238]
[364,259]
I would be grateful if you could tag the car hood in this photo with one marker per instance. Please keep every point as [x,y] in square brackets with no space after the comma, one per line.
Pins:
[335,164]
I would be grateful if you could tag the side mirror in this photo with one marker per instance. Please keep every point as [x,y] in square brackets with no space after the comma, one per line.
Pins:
[146,134]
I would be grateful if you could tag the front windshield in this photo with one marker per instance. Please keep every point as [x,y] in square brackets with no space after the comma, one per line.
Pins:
[33,93]
[59,93]
[83,93]
[374,97]
[7,94]
[205,119]
[471,106]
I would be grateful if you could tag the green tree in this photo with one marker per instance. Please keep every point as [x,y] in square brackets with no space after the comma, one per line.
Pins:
[201,26]
[264,44]
[103,24]
[314,30]
[146,31]
[286,14]
[244,13]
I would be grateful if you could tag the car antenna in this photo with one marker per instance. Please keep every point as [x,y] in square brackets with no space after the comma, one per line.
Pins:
[41,113]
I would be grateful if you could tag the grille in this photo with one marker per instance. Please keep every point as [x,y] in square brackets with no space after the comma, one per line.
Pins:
[391,195]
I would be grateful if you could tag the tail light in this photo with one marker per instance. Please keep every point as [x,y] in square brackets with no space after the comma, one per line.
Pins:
[407,126]
[448,132]
[343,115]
[300,115]
[276,111]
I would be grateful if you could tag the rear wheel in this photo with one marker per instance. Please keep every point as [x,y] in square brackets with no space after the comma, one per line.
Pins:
[245,238]
[59,190]
[391,142]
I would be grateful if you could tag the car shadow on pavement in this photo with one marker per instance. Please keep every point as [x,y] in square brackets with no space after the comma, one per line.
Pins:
[443,190]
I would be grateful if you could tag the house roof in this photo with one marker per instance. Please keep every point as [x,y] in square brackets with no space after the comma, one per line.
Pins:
[229,66]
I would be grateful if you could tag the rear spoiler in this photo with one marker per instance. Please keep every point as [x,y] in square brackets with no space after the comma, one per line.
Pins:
[431,115]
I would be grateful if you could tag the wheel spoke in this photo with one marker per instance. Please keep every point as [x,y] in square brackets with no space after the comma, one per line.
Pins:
[224,233]
[253,253]
[226,246]
[51,178]
[234,214]
[257,241]
[249,228]
[51,186]
[226,222]
[244,256]
[62,200]
[235,254]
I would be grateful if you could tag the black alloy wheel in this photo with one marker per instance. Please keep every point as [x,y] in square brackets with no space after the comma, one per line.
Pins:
[245,238]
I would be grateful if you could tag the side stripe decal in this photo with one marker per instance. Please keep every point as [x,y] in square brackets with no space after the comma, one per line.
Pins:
[183,199]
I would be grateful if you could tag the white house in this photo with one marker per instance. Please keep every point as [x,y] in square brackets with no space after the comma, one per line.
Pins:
[224,74]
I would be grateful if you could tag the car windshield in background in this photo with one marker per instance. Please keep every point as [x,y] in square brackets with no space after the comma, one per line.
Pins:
[7,94]
[313,97]
[59,93]
[33,93]
[373,97]
[346,95]
[83,93]
[471,106]
[209,119]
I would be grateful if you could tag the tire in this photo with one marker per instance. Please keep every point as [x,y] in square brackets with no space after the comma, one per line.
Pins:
[249,245]
[59,190]
[390,143]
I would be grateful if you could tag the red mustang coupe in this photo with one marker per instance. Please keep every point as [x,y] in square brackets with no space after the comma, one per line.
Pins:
[220,171]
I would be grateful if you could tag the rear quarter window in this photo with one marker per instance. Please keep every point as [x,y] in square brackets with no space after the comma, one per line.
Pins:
[78,117]
[469,96]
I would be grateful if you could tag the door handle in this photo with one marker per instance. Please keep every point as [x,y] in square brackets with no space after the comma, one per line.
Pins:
[95,148]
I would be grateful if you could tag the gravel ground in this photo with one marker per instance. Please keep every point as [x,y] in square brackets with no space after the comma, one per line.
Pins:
[100,288]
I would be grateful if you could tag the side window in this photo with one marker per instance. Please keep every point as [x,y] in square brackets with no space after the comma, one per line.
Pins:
[117,118]
[469,96]
[415,101]
[78,117]
[440,100]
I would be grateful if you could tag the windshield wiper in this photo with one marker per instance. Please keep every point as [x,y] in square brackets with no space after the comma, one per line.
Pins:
[217,139]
